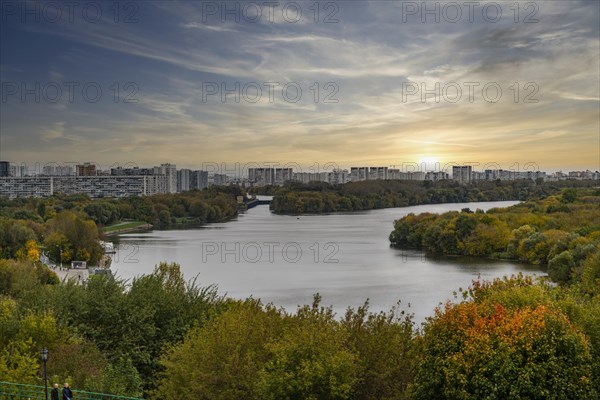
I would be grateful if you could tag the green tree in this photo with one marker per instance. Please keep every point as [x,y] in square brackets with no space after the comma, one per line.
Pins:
[122,378]
[561,267]
[222,359]
[310,361]
[384,344]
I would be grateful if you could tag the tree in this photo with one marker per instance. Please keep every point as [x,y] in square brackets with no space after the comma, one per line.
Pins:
[478,350]
[222,359]
[561,267]
[121,377]
[569,195]
[386,356]
[310,361]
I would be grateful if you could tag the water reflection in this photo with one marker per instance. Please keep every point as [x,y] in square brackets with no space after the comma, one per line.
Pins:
[285,260]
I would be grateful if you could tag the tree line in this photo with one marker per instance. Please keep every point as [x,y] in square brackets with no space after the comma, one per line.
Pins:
[321,197]
[560,232]
[69,227]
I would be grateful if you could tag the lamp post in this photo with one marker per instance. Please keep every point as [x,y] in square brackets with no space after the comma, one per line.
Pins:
[60,252]
[44,359]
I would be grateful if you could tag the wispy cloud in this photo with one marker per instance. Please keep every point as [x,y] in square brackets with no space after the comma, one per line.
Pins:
[366,59]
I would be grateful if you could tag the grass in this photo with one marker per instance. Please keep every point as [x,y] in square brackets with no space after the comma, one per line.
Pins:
[124,225]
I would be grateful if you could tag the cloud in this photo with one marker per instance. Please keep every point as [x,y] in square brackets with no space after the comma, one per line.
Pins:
[366,58]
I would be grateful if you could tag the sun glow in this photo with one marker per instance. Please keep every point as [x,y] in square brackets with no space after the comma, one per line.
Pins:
[429,163]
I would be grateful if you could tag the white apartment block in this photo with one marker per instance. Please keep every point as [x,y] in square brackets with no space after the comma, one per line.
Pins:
[170,171]
[358,174]
[462,173]
[282,175]
[93,186]
[306,177]
[338,176]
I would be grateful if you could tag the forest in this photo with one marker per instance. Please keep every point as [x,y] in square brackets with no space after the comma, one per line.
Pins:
[319,197]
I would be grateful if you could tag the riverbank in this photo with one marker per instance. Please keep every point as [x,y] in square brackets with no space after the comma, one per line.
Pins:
[127,226]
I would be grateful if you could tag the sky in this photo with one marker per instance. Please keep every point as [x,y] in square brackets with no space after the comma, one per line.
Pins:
[314,84]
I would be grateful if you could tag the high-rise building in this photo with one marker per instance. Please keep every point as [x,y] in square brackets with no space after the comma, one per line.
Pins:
[462,173]
[261,176]
[17,171]
[4,168]
[338,176]
[57,170]
[86,169]
[183,180]
[170,171]
[198,180]
[282,175]
[219,179]
[358,174]
[378,173]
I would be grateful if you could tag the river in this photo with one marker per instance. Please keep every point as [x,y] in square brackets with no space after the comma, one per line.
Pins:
[345,257]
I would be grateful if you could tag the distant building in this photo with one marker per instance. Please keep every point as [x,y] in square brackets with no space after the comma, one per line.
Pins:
[462,174]
[4,168]
[378,173]
[135,171]
[220,179]
[17,171]
[198,180]
[282,175]
[338,176]
[93,186]
[86,169]
[56,170]
[396,174]
[183,180]
[170,171]
[261,176]
[358,174]
[306,177]
[436,176]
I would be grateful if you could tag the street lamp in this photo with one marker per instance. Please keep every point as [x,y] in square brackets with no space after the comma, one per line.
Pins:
[60,252]
[44,359]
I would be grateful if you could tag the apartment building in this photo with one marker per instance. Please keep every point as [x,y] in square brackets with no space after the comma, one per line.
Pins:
[93,186]
[183,180]
[462,173]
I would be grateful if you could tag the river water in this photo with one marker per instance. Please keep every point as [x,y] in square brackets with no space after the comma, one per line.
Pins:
[286,259]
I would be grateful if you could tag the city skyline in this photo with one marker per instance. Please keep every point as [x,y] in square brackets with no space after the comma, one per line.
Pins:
[379,82]
[239,169]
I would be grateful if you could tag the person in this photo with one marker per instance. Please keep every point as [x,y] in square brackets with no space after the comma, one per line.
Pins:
[67,393]
[54,393]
